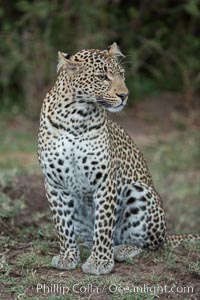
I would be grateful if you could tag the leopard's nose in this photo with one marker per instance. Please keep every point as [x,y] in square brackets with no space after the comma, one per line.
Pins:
[123,96]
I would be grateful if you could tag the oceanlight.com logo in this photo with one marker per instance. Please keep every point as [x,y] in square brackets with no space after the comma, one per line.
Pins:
[152,290]
[59,289]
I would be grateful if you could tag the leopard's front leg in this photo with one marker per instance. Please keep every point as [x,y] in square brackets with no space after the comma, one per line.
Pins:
[101,260]
[62,207]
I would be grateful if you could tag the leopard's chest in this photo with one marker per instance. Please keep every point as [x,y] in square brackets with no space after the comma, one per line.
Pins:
[78,165]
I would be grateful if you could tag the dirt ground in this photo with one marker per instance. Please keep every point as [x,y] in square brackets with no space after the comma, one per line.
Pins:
[28,240]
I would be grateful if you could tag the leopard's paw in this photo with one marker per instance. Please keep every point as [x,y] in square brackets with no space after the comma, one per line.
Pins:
[97,266]
[123,252]
[65,262]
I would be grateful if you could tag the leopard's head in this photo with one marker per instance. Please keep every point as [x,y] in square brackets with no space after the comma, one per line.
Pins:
[96,76]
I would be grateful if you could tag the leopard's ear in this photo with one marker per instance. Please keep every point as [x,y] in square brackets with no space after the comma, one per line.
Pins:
[64,61]
[114,50]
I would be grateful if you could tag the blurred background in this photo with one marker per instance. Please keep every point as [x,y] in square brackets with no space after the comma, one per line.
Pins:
[159,38]
[161,41]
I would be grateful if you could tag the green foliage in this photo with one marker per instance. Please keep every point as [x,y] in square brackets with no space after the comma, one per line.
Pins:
[160,38]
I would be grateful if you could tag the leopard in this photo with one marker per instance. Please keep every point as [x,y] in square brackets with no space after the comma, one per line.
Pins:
[97,181]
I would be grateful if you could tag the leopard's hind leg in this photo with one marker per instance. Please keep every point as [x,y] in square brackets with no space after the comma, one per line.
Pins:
[141,223]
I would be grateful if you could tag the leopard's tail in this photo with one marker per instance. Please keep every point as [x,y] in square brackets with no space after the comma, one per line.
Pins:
[175,240]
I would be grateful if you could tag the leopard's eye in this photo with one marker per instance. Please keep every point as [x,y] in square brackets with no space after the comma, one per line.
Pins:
[122,74]
[102,76]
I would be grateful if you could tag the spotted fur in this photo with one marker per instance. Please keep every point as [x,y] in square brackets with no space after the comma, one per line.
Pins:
[97,182]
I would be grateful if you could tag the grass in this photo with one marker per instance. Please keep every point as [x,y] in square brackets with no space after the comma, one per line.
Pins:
[175,166]
[32,260]
[18,147]
[17,135]
[8,209]
[28,239]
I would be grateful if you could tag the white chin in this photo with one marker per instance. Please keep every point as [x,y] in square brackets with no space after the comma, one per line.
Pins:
[115,109]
